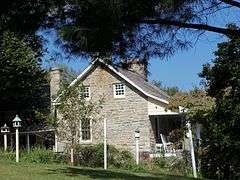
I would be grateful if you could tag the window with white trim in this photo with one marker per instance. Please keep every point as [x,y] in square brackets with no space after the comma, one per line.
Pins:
[86,130]
[86,92]
[119,90]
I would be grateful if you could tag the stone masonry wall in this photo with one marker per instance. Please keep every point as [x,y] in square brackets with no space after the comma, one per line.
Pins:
[124,115]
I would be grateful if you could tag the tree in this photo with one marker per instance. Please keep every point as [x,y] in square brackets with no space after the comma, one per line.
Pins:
[198,103]
[198,108]
[120,28]
[75,112]
[23,84]
[24,18]
[139,29]
[169,90]
[221,141]
[67,76]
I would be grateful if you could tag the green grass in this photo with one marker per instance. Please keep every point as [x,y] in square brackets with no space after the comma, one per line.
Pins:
[21,171]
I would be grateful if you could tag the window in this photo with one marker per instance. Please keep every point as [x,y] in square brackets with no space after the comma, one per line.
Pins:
[87,92]
[119,90]
[86,130]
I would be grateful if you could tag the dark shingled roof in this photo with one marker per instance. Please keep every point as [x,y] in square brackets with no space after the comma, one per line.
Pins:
[143,83]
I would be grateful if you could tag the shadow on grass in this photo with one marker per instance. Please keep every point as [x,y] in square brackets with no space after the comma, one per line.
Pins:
[110,174]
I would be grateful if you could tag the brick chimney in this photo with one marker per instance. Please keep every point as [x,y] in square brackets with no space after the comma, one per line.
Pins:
[55,80]
[138,67]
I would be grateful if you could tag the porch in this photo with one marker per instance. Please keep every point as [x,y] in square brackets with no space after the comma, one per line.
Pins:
[166,134]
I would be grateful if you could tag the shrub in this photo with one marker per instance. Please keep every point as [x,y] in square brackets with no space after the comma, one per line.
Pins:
[121,159]
[7,156]
[89,155]
[141,167]
[179,166]
[176,136]
[160,162]
[37,155]
[92,156]
[61,158]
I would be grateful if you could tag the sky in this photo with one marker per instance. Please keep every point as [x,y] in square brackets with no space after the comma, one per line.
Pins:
[182,69]
[179,70]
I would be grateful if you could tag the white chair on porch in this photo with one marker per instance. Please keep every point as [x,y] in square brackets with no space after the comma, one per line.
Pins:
[167,146]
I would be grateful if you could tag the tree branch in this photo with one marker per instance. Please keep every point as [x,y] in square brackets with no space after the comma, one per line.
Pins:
[232,3]
[225,31]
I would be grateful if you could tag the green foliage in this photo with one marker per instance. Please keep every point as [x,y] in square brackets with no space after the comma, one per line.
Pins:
[160,162]
[23,83]
[136,29]
[169,90]
[68,75]
[176,136]
[140,28]
[180,167]
[140,168]
[75,110]
[197,103]
[35,155]
[7,155]
[172,165]
[92,156]
[220,142]
[23,17]
[89,155]
[121,159]
[61,158]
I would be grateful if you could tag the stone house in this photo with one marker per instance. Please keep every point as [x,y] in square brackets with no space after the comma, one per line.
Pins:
[131,103]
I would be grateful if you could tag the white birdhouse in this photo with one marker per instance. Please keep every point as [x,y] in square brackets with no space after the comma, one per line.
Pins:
[17,122]
[5,129]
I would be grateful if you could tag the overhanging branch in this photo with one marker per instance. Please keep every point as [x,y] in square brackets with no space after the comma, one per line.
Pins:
[232,3]
[205,27]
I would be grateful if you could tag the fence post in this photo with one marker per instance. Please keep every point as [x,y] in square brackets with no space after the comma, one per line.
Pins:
[56,142]
[72,158]
[5,142]
[28,143]
[105,143]
[17,145]
[137,136]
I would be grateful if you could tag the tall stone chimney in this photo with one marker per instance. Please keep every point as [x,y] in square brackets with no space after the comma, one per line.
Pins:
[138,67]
[55,80]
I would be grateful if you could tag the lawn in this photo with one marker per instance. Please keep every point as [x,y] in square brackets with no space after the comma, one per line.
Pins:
[21,171]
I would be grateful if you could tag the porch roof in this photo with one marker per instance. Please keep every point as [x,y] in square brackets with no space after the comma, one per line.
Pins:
[163,113]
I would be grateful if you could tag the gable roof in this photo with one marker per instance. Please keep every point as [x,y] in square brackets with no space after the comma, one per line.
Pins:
[132,78]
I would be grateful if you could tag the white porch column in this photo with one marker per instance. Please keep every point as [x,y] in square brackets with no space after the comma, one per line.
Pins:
[192,150]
